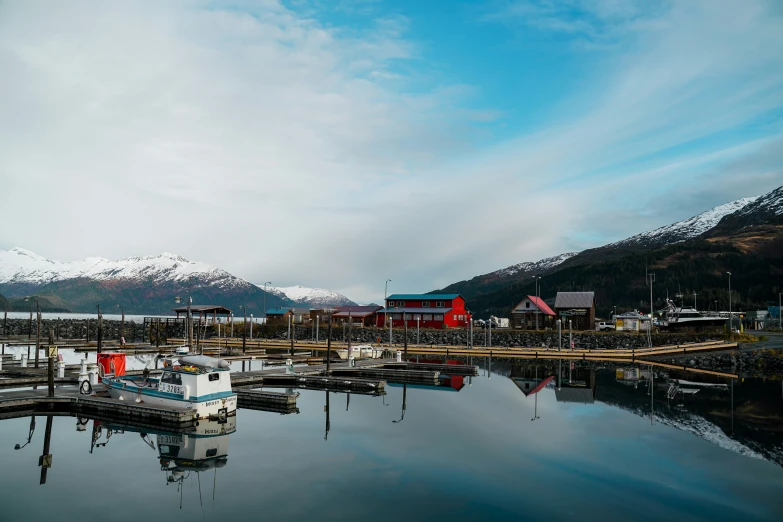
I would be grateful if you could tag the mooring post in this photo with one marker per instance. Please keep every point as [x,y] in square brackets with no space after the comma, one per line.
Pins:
[46,459]
[293,334]
[404,320]
[37,336]
[329,346]
[50,353]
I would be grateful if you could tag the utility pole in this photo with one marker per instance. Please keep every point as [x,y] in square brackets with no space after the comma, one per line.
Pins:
[267,283]
[293,332]
[244,330]
[50,354]
[350,335]
[37,333]
[329,345]
[731,317]
[405,321]
[418,329]
[100,330]
[650,280]
[559,337]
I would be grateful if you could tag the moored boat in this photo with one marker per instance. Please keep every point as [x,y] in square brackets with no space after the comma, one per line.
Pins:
[363,351]
[200,383]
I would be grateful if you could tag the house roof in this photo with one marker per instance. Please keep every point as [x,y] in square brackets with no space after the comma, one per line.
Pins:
[355,311]
[536,301]
[277,311]
[537,388]
[583,395]
[422,297]
[575,300]
[203,308]
[411,310]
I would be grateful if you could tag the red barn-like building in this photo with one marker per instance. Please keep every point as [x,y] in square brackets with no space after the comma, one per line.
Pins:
[428,310]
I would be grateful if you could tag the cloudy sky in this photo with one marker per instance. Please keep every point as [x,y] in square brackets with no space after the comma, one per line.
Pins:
[340,143]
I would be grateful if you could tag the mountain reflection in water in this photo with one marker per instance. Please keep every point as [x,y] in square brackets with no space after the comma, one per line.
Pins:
[609,442]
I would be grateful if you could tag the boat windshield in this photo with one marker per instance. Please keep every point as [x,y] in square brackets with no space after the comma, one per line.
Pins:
[171,378]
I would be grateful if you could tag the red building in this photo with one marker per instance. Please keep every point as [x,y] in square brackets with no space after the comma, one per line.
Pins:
[426,310]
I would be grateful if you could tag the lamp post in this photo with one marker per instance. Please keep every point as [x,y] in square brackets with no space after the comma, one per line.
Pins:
[559,335]
[731,318]
[251,327]
[232,325]
[188,323]
[100,329]
[536,280]
[122,324]
[535,411]
[244,328]
[267,283]
[386,289]
[329,342]
[38,328]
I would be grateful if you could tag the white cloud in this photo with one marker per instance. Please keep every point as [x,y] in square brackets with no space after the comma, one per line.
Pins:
[280,148]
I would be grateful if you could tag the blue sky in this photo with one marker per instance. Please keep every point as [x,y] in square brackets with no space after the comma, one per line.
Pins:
[425,142]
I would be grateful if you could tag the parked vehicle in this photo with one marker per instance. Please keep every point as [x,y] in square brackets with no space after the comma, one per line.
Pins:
[605,327]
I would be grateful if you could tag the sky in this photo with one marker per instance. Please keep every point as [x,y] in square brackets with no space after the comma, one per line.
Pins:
[337,144]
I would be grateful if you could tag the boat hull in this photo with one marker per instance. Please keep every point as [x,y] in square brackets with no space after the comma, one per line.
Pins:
[361,353]
[210,407]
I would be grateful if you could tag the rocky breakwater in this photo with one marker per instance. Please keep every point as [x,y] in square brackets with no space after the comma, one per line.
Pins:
[500,337]
[70,329]
[747,363]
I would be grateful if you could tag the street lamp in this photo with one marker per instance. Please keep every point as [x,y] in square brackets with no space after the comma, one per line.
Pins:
[386,290]
[731,318]
[122,324]
[178,300]
[244,328]
[536,280]
[267,283]
[38,328]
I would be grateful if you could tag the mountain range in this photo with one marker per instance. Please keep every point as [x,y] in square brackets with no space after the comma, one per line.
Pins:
[744,237]
[143,285]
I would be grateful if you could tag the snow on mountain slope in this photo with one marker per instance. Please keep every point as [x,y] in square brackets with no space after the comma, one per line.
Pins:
[23,266]
[534,266]
[688,228]
[311,296]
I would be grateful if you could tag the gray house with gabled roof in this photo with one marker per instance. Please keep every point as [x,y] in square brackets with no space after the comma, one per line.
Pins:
[577,307]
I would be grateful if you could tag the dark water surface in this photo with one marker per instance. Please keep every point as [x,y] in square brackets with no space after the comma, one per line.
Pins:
[595,452]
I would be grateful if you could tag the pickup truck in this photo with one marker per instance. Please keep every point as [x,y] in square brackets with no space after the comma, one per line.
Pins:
[605,327]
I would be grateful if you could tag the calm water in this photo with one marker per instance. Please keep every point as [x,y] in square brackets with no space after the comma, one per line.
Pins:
[468,452]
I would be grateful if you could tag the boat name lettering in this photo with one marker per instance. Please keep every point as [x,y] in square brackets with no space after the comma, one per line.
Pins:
[212,403]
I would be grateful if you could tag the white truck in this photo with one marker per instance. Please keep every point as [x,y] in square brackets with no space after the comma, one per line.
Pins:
[605,327]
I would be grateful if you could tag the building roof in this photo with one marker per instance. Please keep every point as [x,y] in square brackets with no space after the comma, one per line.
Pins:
[575,300]
[411,310]
[278,311]
[583,395]
[203,309]
[536,301]
[422,297]
[537,388]
[355,311]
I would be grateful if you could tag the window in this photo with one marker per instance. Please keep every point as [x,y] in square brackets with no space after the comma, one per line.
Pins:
[171,378]
[400,303]
[527,304]
[408,317]
[426,317]
[440,304]
[425,304]
[396,317]
[211,452]
[416,317]
[214,376]
[438,317]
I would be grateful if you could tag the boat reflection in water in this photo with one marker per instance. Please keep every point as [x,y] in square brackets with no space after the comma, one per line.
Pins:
[180,454]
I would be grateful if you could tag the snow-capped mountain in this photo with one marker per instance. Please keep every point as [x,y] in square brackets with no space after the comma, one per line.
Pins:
[143,284]
[535,267]
[23,266]
[687,228]
[315,297]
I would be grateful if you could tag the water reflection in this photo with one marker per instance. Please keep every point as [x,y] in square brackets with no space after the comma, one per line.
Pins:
[741,415]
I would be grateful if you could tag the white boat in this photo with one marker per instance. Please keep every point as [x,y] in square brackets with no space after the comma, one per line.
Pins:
[362,351]
[200,383]
[688,317]
[182,350]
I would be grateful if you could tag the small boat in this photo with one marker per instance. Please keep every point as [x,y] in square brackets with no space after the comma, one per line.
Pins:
[200,383]
[362,351]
